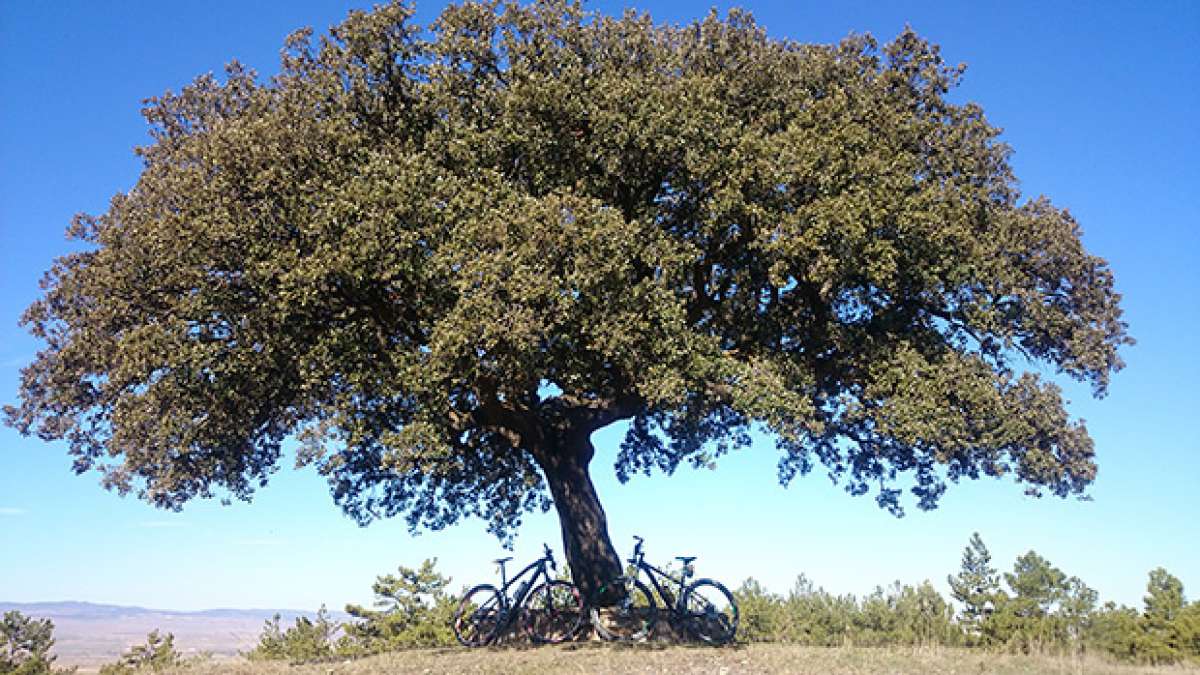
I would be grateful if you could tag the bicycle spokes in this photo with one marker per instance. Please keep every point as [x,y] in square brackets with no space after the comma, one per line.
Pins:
[630,619]
[554,612]
[710,612]
[479,616]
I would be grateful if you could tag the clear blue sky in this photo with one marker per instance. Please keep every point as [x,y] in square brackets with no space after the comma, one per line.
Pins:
[1100,101]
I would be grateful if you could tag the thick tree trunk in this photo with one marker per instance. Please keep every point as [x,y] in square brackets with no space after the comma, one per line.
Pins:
[589,549]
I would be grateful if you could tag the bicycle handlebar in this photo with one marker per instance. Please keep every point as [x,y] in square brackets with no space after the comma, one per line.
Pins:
[637,550]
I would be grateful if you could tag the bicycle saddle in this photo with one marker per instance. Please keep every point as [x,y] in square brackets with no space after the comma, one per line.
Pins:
[685,559]
[501,561]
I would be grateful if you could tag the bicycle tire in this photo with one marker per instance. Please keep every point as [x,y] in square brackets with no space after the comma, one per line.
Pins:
[479,616]
[553,612]
[711,613]
[633,620]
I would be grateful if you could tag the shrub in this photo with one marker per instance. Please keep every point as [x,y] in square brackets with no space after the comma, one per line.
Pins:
[412,610]
[156,655]
[902,615]
[762,616]
[1116,631]
[307,640]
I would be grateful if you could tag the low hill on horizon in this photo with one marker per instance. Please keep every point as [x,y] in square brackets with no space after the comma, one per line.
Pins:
[89,634]
[97,610]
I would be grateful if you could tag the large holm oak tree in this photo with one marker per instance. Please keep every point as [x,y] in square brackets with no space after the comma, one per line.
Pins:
[444,256]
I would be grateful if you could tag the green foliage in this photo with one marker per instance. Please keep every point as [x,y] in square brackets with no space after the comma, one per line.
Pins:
[1186,635]
[25,645]
[1037,586]
[1168,635]
[1164,597]
[900,615]
[1045,610]
[1115,630]
[761,613]
[158,654]
[306,640]
[1077,608]
[976,586]
[1168,630]
[818,617]
[919,617]
[1042,611]
[1025,620]
[412,609]
[402,242]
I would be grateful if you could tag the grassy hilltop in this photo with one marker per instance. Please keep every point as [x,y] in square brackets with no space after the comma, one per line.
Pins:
[758,658]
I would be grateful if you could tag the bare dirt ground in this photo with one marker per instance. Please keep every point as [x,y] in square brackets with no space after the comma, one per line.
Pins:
[596,658]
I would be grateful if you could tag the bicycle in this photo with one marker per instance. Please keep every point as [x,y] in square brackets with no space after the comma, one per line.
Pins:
[704,608]
[550,613]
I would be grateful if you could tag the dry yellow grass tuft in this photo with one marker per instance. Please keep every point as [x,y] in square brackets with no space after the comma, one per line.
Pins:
[604,658]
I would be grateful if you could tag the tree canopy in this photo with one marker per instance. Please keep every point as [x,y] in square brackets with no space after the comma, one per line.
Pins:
[444,255]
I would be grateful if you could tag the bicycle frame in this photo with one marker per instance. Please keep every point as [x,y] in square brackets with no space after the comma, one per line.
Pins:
[509,605]
[704,608]
[653,574]
[532,598]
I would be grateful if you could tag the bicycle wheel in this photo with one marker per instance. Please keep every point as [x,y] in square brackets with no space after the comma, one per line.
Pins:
[632,619]
[478,616]
[553,612]
[711,613]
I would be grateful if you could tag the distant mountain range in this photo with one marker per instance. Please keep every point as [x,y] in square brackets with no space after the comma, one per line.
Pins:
[90,610]
[89,634]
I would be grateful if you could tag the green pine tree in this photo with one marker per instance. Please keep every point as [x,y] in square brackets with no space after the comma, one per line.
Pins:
[1028,619]
[1162,639]
[976,586]
[1164,596]
[25,645]
[1036,584]
[412,610]
[1077,610]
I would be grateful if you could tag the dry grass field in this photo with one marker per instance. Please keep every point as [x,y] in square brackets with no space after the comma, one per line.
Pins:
[595,658]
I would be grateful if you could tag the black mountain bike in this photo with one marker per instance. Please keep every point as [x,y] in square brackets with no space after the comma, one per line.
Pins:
[551,612]
[705,609]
